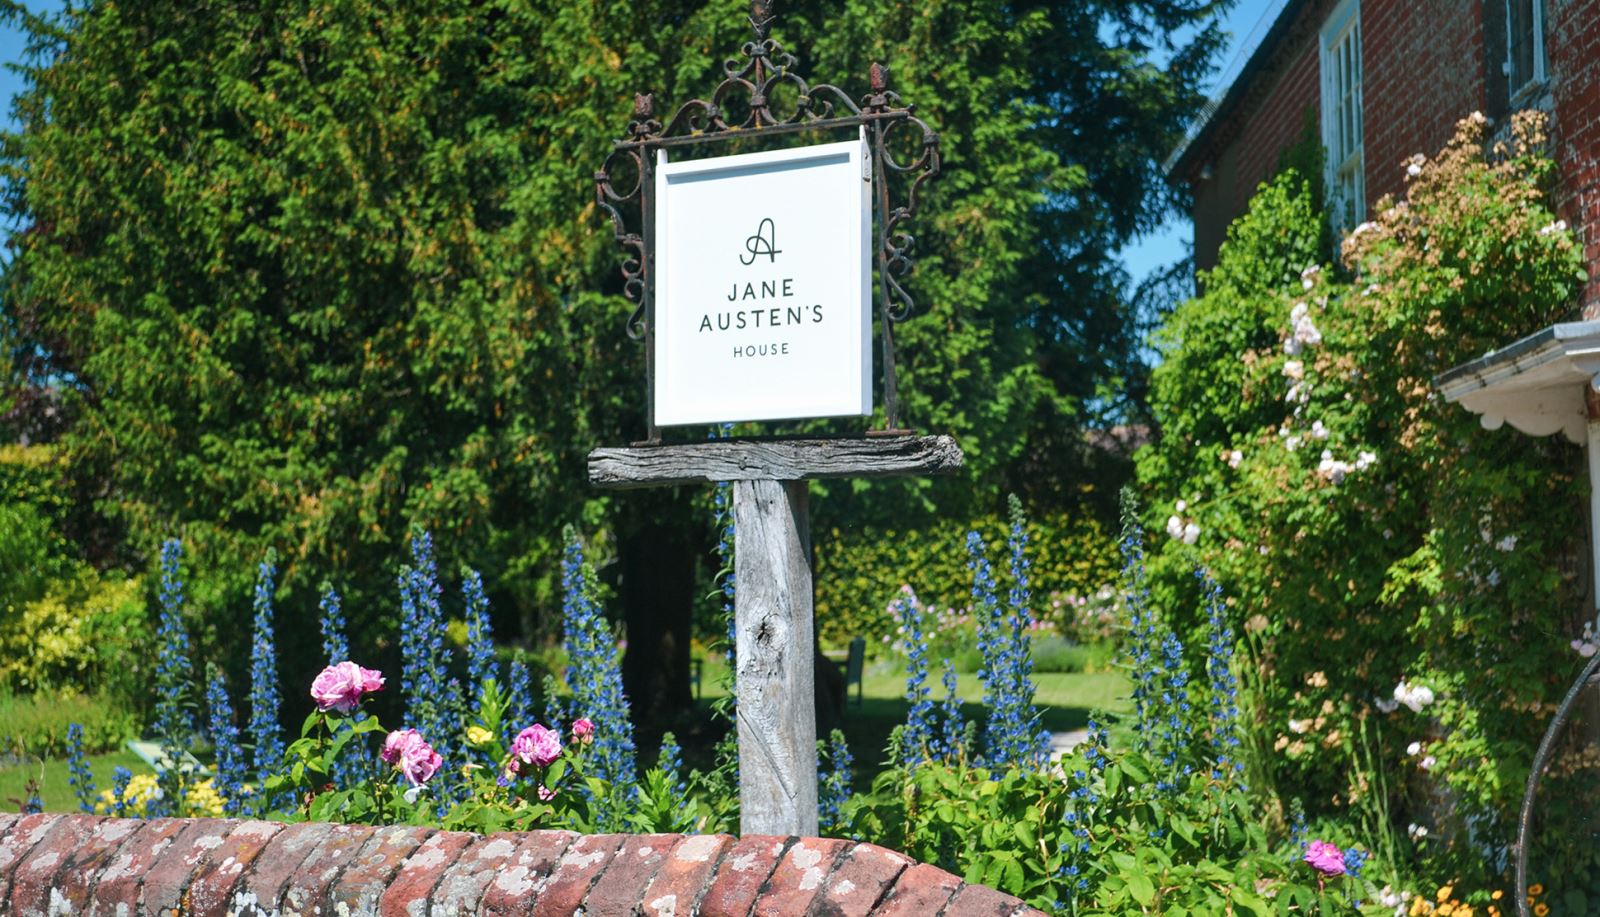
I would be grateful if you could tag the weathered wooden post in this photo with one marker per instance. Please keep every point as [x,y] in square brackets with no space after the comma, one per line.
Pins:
[752,275]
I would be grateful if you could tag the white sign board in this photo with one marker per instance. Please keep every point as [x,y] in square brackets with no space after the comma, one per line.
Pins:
[763,286]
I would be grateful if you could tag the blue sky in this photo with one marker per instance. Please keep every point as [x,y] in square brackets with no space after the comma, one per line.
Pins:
[1246,23]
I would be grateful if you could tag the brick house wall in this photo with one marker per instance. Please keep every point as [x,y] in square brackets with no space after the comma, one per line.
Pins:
[1425,65]
[1423,69]
[210,867]
[1574,36]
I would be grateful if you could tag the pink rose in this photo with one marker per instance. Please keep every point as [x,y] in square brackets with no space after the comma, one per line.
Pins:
[406,750]
[340,687]
[537,745]
[583,730]
[1325,858]
[545,793]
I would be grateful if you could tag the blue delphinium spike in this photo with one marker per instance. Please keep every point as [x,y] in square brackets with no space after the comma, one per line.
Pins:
[1141,631]
[225,740]
[480,633]
[174,724]
[78,773]
[120,778]
[954,725]
[1030,741]
[919,740]
[265,729]
[335,645]
[426,593]
[594,679]
[670,761]
[835,784]
[986,608]
[519,715]
[411,661]
[555,708]
[1224,712]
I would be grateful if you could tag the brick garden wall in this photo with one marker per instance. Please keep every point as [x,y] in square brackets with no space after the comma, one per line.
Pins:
[54,865]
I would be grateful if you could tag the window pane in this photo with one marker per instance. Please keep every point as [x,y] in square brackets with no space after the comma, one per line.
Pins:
[1520,42]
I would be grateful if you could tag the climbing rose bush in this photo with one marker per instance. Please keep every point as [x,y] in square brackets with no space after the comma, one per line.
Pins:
[1409,584]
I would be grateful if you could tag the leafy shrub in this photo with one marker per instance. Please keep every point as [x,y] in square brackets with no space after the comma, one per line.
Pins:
[1164,824]
[35,725]
[859,572]
[1407,580]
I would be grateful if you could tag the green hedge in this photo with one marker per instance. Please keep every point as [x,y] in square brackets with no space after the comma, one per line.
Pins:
[860,571]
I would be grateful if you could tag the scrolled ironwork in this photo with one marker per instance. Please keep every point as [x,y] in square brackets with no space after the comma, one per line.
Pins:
[1590,676]
[750,83]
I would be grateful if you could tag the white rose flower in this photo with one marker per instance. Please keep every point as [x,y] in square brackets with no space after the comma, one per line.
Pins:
[1413,749]
[1191,533]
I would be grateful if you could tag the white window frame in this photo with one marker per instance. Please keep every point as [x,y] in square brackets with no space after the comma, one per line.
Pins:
[1340,59]
[1518,95]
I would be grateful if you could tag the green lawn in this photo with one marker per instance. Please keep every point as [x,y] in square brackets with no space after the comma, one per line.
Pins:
[1065,701]
[52,777]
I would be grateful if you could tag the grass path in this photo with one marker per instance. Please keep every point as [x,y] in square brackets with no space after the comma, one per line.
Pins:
[52,776]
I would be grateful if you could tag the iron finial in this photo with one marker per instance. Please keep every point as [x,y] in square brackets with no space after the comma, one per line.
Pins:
[878,77]
[644,105]
[762,12]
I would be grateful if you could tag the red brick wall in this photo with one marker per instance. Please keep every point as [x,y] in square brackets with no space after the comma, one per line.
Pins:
[1574,36]
[1422,71]
[80,864]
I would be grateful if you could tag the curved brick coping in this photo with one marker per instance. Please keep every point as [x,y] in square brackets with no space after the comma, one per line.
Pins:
[52,865]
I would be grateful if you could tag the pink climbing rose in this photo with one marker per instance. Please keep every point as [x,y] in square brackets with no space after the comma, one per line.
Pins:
[341,686]
[408,752]
[583,730]
[537,745]
[1325,858]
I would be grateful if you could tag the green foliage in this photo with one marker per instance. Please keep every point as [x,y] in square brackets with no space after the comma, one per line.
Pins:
[1104,840]
[301,275]
[1377,543]
[36,724]
[62,624]
[860,571]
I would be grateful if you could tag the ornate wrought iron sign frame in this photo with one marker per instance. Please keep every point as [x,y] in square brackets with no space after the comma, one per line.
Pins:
[764,68]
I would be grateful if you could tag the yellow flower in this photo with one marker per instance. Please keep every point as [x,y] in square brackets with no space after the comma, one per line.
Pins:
[1447,908]
[1444,893]
[204,800]
[1536,889]
[1541,909]
[1497,895]
[477,735]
